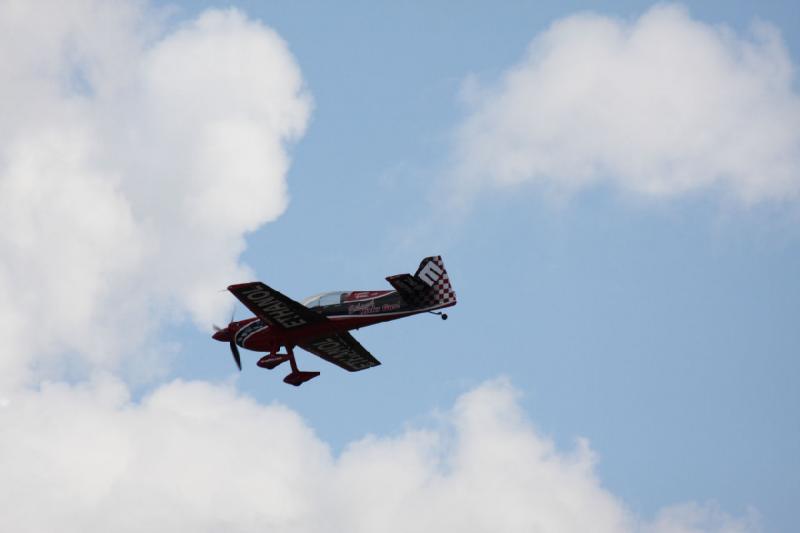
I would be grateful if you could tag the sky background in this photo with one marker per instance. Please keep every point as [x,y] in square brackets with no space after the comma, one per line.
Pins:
[613,188]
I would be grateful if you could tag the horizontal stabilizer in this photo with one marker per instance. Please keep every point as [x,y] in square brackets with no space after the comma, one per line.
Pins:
[429,287]
[407,285]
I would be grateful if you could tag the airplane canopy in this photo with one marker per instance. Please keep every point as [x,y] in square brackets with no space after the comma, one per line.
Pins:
[324,298]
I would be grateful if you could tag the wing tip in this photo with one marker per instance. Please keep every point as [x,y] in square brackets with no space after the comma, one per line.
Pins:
[241,285]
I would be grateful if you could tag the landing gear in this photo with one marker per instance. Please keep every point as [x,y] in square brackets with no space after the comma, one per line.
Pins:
[297,377]
[443,316]
[271,361]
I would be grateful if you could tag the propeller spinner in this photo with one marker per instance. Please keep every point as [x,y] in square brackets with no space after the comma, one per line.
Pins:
[229,334]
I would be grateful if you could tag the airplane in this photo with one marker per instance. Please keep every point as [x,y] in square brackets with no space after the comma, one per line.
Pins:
[320,323]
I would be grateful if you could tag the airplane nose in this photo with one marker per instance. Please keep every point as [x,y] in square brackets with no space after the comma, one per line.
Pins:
[222,335]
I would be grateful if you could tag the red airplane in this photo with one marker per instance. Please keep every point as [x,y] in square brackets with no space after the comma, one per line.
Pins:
[320,324]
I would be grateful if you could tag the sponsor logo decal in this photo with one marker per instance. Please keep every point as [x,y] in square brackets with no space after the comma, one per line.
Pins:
[362,295]
[275,309]
[335,349]
[430,273]
[368,308]
[249,329]
[363,309]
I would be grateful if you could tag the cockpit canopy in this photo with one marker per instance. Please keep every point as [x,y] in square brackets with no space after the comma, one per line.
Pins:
[324,298]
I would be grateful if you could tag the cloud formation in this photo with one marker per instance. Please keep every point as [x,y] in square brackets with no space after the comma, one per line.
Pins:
[660,106]
[133,160]
[200,457]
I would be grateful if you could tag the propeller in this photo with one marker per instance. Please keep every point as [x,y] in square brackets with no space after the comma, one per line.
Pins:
[235,349]
[217,328]
[231,333]
[235,352]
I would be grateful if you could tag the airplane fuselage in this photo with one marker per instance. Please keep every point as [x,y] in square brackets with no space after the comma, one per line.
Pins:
[354,313]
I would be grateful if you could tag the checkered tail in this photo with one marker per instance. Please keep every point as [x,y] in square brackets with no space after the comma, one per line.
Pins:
[428,288]
[438,291]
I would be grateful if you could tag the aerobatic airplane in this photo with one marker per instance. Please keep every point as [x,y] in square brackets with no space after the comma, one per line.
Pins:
[320,323]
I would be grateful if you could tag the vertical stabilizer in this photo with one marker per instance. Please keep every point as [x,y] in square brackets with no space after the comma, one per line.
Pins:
[428,287]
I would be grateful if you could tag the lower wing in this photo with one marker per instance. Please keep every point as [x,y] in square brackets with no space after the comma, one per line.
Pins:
[342,350]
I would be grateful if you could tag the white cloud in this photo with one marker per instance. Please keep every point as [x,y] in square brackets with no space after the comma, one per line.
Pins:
[133,161]
[200,457]
[659,106]
[694,518]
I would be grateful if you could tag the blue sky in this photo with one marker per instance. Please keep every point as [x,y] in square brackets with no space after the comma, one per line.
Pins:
[657,320]
[666,334]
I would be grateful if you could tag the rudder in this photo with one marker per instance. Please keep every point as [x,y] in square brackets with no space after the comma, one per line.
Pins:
[428,287]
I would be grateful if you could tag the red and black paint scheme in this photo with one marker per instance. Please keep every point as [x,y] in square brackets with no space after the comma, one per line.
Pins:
[320,324]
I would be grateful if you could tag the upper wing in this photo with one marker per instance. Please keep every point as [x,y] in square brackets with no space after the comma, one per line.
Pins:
[273,307]
[342,350]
